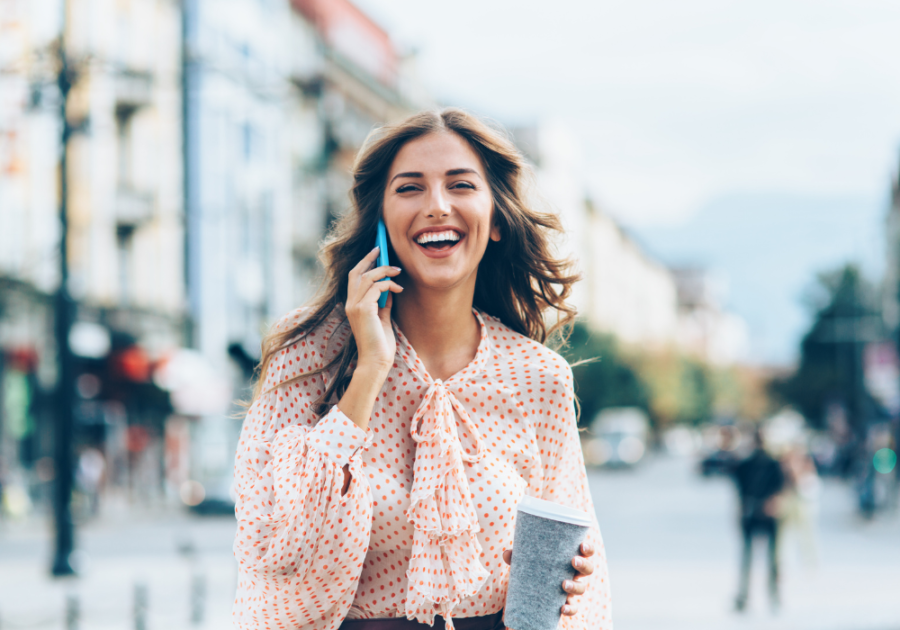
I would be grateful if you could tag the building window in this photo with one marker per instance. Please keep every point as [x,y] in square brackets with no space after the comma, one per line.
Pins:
[125,260]
[125,166]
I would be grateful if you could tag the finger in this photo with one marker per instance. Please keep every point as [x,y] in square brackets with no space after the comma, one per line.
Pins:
[379,273]
[380,287]
[365,263]
[573,588]
[507,556]
[385,313]
[587,549]
[569,610]
[584,567]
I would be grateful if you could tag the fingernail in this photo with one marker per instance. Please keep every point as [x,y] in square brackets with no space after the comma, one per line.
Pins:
[568,585]
[567,609]
[578,563]
[374,248]
[588,548]
[396,268]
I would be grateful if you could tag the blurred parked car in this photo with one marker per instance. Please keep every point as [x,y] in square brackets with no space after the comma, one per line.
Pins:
[618,437]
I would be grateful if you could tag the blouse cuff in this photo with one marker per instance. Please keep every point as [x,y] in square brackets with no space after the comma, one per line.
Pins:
[336,436]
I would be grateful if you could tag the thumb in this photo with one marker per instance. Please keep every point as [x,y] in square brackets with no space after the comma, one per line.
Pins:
[385,313]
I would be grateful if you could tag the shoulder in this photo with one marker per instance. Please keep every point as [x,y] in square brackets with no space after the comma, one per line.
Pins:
[516,357]
[308,350]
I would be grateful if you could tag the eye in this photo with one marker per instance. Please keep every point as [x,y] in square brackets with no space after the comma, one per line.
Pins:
[406,188]
[463,185]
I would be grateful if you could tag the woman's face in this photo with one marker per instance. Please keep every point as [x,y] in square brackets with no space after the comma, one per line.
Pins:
[438,211]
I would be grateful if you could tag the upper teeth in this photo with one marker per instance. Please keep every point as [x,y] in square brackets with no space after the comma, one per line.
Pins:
[429,237]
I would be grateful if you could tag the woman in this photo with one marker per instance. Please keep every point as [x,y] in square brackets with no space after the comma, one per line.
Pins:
[386,449]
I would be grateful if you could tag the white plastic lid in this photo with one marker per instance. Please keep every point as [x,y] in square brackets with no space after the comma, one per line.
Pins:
[554,511]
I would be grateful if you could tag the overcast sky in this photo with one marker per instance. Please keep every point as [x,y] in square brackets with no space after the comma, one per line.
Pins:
[679,102]
[682,104]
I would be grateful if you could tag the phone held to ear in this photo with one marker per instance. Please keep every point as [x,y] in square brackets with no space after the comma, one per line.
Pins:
[381,244]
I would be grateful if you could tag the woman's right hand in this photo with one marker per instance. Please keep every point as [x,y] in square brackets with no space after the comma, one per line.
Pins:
[371,325]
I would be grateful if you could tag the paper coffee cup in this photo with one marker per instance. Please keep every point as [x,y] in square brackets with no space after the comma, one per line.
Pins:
[546,538]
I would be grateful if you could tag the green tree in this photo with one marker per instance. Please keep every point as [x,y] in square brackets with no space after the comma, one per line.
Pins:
[845,314]
[603,378]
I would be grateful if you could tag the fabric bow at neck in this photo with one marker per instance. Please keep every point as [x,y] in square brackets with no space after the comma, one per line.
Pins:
[445,565]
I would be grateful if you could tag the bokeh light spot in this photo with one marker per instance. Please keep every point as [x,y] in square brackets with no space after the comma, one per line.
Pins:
[884,461]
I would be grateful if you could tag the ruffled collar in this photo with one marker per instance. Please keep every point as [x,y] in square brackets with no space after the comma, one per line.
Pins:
[445,566]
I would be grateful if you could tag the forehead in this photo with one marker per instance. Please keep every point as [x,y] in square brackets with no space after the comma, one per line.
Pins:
[435,153]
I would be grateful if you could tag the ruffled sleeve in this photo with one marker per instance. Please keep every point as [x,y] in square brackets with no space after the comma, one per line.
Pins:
[565,482]
[299,544]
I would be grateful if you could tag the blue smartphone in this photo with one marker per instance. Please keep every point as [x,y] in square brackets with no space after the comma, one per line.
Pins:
[381,244]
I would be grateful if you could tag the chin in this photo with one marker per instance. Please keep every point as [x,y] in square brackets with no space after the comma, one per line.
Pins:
[440,281]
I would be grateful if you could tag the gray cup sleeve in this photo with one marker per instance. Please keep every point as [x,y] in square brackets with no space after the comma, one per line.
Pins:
[542,558]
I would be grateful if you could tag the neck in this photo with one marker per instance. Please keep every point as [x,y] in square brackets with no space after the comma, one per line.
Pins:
[440,326]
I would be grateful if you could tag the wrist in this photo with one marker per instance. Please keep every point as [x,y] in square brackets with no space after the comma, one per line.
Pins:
[362,392]
[373,370]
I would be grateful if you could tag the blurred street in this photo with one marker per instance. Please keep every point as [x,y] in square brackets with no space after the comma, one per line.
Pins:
[673,548]
[670,534]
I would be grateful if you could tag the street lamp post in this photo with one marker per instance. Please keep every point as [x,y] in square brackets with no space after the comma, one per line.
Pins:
[64,315]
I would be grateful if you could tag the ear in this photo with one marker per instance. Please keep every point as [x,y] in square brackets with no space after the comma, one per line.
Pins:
[495,232]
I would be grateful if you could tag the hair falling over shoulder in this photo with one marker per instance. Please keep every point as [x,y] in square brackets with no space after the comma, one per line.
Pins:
[520,280]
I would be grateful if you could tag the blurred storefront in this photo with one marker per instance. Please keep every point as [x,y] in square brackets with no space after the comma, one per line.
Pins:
[125,239]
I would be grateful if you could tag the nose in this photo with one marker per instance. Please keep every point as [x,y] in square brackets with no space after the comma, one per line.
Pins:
[438,204]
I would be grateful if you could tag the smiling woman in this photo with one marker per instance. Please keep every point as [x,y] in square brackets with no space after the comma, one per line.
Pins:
[386,448]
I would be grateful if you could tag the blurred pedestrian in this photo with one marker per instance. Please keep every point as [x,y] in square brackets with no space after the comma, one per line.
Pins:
[387,445]
[799,500]
[760,481]
[90,475]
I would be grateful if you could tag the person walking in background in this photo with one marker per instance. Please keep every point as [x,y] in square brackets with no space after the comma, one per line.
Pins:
[799,500]
[90,476]
[759,480]
[386,448]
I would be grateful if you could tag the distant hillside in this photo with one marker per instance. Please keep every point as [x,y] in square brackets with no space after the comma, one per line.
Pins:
[769,247]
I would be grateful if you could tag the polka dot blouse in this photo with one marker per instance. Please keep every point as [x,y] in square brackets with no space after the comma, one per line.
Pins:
[435,481]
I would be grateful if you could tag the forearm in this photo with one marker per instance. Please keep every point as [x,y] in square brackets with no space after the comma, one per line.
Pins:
[358,401]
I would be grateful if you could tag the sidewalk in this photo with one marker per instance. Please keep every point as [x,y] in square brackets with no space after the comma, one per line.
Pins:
[117,556]
[671,540]
[673,549]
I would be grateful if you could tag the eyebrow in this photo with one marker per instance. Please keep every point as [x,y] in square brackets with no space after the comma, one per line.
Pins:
[450,173]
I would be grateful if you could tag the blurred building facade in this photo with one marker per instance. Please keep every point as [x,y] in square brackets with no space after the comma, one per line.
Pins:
[211,149]
[279,97]
[125,226]
[705,328]
[891,280]
[625,292]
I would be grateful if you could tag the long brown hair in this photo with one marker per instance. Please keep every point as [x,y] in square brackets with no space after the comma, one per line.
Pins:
[526,281]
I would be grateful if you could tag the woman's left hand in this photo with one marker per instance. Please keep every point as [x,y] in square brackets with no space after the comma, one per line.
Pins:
[576,587]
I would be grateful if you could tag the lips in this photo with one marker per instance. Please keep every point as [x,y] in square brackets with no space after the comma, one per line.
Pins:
[438,241]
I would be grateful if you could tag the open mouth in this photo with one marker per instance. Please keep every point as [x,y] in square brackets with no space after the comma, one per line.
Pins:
[438,241]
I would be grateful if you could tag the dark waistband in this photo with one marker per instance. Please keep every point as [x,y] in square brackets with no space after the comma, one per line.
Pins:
[489,622]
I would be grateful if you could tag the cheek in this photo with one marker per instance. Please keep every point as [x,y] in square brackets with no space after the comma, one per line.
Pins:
[394,223]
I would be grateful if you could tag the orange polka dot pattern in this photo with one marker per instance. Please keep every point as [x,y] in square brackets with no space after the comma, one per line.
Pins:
[435,481]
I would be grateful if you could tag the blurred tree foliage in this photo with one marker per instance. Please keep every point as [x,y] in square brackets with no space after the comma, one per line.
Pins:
[604,378]
[681,388]
[670,386]
[829,370]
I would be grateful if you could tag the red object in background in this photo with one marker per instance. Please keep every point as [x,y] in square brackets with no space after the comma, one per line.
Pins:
[353,33]
[23,359]
[132,364]
[137,438]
